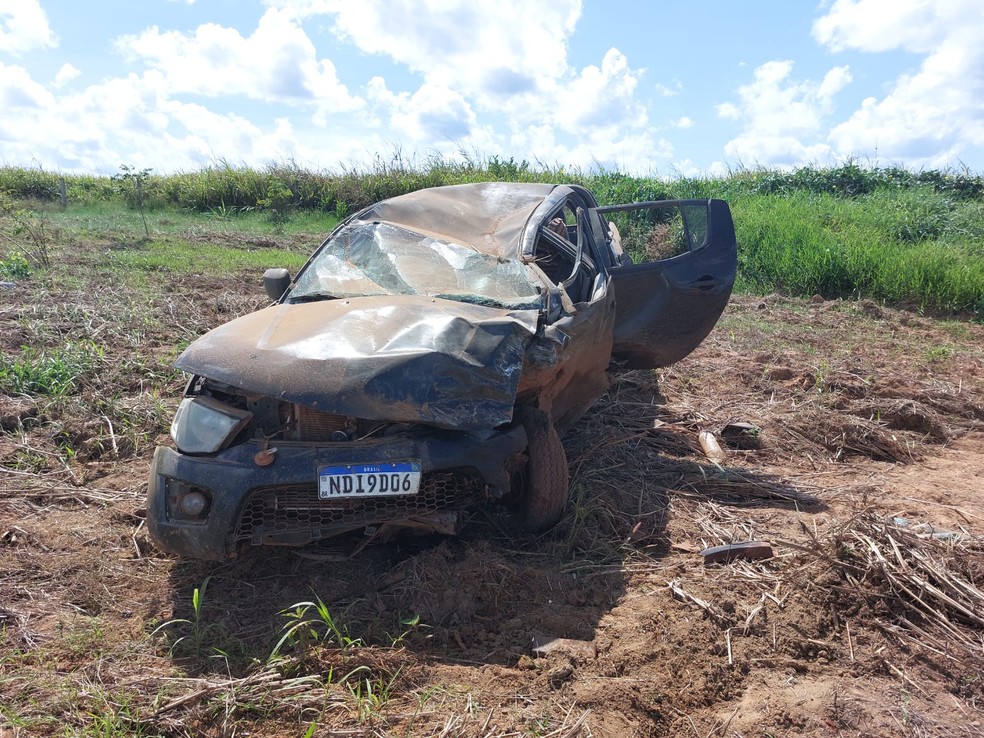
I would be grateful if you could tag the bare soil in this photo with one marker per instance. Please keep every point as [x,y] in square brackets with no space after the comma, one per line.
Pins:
[864,472]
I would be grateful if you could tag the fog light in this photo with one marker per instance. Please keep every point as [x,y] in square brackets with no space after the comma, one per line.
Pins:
[185,503]
[193,504]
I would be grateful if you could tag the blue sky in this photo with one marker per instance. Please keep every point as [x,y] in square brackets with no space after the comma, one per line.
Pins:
[653,88]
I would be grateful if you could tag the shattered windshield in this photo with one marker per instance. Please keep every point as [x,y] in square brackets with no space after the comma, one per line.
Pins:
[383,259]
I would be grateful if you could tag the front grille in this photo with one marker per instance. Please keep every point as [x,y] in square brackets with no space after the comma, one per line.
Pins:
[295,515]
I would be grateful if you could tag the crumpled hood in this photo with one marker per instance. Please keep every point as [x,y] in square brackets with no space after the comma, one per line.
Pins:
[406,358]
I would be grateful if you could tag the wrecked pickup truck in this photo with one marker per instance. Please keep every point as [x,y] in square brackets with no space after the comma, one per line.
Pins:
[420,365]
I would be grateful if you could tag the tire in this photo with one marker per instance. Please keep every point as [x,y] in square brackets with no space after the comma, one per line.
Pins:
[542,496]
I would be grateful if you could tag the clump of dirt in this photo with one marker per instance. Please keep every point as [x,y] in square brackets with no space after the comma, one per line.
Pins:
[847,435]
[15,411]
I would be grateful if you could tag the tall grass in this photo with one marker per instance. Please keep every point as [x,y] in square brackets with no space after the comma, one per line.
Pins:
[225,185]
[908,248]
[910,238]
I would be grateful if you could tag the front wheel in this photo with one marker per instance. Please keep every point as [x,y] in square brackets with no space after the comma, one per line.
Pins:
[543,486]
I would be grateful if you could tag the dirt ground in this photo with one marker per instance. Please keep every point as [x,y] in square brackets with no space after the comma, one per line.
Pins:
[864,472]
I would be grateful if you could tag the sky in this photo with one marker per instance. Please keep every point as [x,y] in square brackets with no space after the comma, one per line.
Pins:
[646,87]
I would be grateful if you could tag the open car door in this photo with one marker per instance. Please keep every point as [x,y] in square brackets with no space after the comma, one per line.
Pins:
[672,267]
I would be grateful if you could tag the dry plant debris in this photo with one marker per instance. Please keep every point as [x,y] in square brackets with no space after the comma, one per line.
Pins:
[917,586]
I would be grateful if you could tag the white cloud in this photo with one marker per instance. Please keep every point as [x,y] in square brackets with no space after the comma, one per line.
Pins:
[277,62]
[141,119]
[932,114]
[604,148]
[882,25]
[833,82]
[602,97]
[132,119]
[613,148]
[666,90]
[19,93]
[24,26]
[688,168]
[506,62]
[493,76]
[489,48]
[783,118]
[684,122]
[431,114]
[66,74]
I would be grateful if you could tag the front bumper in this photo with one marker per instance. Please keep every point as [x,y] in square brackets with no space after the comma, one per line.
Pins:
[250,504]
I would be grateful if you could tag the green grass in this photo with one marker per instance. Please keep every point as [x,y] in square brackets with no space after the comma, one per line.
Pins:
[181,241]
[895,247]
[14,266]
[111,220]
[181,257]
[51,372]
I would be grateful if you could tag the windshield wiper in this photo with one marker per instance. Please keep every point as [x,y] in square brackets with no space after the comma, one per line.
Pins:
[315,297]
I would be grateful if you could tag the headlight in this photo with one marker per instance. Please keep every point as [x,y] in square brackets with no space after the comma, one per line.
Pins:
[206,426]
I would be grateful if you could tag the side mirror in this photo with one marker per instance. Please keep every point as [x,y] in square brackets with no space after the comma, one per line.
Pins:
[275,282]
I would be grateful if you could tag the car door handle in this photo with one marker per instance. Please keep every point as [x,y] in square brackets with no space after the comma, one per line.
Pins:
[705,283]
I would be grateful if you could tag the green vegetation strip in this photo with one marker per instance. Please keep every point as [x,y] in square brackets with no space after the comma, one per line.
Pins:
[906,238]
[202,258]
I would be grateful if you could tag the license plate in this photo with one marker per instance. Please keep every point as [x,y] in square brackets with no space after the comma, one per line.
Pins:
[369,480]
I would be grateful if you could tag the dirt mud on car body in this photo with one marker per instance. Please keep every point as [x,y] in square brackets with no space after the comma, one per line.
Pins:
[422,360]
